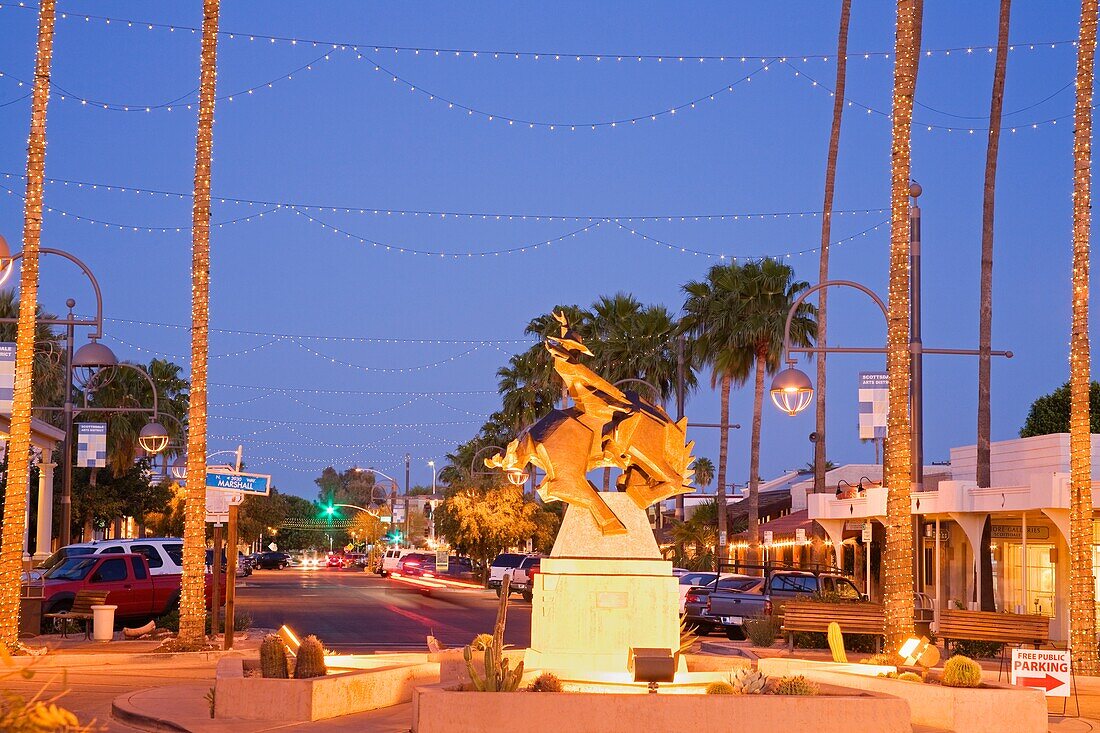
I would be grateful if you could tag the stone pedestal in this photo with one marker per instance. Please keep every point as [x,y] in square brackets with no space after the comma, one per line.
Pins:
[598,596]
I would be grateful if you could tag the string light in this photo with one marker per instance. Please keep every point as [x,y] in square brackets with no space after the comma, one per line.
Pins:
[372,393]
[897,557]
[499,54]
[19,439]
[489,216]
[1082,596]
[311,423]
[192,626]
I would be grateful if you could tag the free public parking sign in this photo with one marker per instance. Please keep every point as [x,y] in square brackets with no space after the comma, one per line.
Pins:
[246,483]
[1045,669]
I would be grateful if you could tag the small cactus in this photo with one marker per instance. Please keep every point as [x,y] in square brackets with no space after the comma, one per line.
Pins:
[797,685]
[910,677]
[836,643]
[720,688]
[481,642]
[498,677]
[545,682]
[273,662]
[311,659]
[960,671]
[746,681]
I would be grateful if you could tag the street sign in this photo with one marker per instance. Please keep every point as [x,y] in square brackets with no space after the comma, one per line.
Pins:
[273,547]
[768,536]
[442,561]
[217,507]
[248,483]
[800,535]
[1045,669]
[867,531]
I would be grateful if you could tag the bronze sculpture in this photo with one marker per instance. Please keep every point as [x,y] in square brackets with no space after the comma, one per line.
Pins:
[605,427]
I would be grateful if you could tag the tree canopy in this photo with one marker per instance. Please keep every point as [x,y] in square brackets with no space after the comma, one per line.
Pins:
[1050,413]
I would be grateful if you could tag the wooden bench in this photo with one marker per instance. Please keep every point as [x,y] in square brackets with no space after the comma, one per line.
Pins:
[854,618]
[1006,628]
[81,610]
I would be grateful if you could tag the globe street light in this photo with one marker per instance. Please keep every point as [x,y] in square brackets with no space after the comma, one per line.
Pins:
[153,437]
[792,391]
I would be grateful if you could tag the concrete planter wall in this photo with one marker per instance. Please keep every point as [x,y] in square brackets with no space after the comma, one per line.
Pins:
[993,709]
[343,693]
[436,710]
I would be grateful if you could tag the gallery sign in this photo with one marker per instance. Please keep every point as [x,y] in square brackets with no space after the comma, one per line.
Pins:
[1015,532]
[874,399]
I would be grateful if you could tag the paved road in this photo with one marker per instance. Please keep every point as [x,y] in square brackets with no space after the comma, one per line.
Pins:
[353,611]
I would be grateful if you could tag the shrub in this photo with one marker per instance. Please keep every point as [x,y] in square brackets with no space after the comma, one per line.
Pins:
[762,630]
[976,649]
[242,621]
[545,682]
[960,671]
[910,677]
[883,660]
[797,685]
[720,688]
[864,643]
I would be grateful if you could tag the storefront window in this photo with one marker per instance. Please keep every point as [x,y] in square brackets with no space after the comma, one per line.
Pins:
[1040,578]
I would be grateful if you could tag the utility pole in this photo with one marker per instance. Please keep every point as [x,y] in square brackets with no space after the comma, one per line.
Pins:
[67,476]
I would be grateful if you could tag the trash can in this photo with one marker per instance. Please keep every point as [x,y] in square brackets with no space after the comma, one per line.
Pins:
[103,622]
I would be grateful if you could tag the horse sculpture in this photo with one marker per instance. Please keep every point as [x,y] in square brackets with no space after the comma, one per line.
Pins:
[605,427]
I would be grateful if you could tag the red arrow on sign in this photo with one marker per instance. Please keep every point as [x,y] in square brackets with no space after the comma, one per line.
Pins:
[1048,683]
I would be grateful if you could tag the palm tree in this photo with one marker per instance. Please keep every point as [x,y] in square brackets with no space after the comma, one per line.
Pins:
[985,307]
[19,442]
[768,292]
[1082,596]
[711,312]
[826,236]
[49,353]
[897,563]
[193,596]
[704,471]
[525,391]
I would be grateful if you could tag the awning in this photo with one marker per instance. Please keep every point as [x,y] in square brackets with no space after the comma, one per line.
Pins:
[785,527]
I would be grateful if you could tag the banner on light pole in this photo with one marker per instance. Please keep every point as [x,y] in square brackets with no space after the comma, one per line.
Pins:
[874,401]
[91,445]
[7,377]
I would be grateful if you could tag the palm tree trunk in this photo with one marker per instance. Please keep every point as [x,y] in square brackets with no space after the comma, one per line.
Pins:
[19,442]
[754,450]
[897,564]
[193,592]
[985,307]
[820,455]
[723,454]
[607,479]
[1082,594]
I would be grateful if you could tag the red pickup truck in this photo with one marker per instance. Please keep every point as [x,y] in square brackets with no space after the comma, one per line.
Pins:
[137,593]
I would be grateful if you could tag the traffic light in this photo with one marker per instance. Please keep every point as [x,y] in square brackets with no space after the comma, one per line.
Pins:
[328,511]
[394,537]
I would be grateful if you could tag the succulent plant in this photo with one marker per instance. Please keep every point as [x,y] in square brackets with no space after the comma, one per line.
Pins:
[273,657]
[481,642]
[720,688]
[545,682]
[797,685]
[498,677]
[746,681]
[910,677]
[836,643]
[310,661]
[960,671]
[882,660]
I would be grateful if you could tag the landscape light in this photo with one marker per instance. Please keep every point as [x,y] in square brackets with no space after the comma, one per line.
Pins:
[919,651]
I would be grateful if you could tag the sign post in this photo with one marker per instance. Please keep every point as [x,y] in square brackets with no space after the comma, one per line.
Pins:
[867,531]
[231,555]
[1046,669]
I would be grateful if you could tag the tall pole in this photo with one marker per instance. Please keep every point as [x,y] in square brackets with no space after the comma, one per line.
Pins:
[678,511]
[216,572]
[231,555]
[67,475]
[192,592]
[19,445]
[916,388]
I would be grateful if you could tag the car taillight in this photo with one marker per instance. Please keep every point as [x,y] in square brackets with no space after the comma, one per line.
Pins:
[695,598]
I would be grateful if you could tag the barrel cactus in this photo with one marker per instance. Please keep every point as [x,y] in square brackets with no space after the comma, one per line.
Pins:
[797,685]
[910,677]
[545,682]
[311,659]
[720,688]
[273,657]
[836,643]
[481,642]
[746,681]
[960,671]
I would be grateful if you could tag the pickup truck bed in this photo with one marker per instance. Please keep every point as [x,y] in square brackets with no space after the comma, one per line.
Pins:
[729,609]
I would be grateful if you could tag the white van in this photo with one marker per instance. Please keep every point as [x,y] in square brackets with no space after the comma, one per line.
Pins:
[391,558]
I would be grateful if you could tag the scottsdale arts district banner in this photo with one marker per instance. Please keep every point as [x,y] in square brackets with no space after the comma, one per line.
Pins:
[874,399]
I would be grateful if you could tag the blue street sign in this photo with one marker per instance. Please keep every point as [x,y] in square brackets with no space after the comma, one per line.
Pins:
[247,483]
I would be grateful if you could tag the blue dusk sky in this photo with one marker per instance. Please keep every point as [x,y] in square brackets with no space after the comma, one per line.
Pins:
[346,338]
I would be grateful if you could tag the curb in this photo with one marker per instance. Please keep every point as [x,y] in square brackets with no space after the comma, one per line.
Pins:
[727,650]
[124,713]
[95,659]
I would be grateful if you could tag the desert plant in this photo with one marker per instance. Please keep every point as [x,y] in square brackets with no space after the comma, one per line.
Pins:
[273,662]
[40,713]
[747,681]
[836,643]
[720,688]
[210,697]
[910,677]
[481,642]
[498,677]
[545,682]
[882,660]
[310,660]
[960,671]
[976,649]
[796,685]
[762,630]
[688,637]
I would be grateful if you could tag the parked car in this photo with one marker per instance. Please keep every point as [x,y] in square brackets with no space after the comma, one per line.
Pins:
[126,577]
[272,561]
[695,600]
[688,579]
[165,554]
[416,563]
[728,609]
[390,560]
[503,563]
[244,568]
[523,577]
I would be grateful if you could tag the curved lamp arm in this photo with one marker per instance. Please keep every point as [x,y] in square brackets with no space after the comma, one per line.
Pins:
[473,461]
[821,286]
[98,334]
[152,386]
